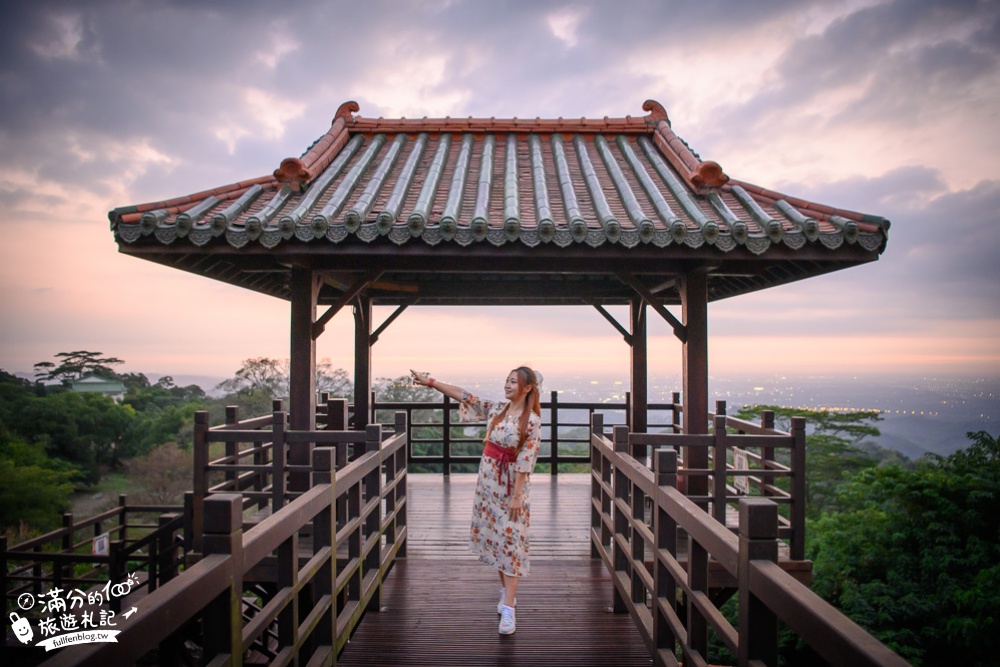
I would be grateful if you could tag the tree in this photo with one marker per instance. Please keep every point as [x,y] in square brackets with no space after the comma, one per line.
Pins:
[334,381]
[85,429]
[34,489]
[263,375]
[164,473]
[914,555]
[75,365]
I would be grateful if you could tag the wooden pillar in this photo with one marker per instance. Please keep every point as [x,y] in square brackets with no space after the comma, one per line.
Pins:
[694,302]
[362,361]
[302,359]
[638,419]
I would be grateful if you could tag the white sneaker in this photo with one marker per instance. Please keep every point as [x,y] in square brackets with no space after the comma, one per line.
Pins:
[507,621]
[503,594]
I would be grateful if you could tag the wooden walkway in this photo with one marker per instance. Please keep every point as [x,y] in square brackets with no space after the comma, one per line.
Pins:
[439,603]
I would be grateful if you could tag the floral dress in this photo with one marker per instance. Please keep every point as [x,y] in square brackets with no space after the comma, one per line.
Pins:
[497,539]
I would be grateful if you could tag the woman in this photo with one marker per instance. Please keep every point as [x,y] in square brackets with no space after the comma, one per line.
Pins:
[501,512]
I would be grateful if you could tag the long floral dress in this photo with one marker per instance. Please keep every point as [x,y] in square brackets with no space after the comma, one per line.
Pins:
[497,539]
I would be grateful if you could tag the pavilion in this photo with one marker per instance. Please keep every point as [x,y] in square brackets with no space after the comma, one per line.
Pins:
[489,211]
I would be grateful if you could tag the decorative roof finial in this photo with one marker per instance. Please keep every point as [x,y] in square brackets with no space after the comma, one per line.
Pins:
[346,109]
[656,111]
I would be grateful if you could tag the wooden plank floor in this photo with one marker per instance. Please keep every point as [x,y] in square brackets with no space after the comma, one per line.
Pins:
[443,612]
[439,510]
[439,603]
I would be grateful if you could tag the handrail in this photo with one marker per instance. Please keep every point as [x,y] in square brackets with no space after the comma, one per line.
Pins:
[335,586]
[623,537]
[552,423]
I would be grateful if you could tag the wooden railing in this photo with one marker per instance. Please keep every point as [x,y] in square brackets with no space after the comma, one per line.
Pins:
[65,558]
[435,421]
[353,521]
[661,556]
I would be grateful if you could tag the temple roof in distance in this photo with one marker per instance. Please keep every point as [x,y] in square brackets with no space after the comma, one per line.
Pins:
[615,187]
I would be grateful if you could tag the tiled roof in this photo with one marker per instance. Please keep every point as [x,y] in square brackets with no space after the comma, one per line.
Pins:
[628,181]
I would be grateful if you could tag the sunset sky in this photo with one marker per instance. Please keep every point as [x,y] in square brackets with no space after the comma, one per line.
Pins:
[890,108]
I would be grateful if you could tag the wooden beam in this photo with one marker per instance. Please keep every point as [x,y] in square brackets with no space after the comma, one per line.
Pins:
[638,420]
[382,327]
[617,325]
[362,361]
[694,295]
[302,357]
[395,287]
[320,325]
[679,329]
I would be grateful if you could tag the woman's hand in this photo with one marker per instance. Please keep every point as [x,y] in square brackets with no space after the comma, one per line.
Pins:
[421,379]
[516,506]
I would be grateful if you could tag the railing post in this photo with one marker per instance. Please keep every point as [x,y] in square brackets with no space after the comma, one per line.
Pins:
[719,465]
[232,448]
[393,504]
[166,548]
[767,453]
[123,517]
[446,436]
[665,531]
[116,570]
[596,490]
[65,570]
[200,479]
[628,410]
[554,432]
[3,578]
[620,557]
[675,412]
[797,547]
[279,483]
[373,524]
[222,619]
[638,551]
[325,535]
[758,625]
[336,420]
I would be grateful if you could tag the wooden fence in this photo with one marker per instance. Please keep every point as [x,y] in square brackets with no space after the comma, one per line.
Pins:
[322,559]
[435,422]
[660,563]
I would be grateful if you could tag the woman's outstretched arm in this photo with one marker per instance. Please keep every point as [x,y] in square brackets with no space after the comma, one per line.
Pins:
[425,380]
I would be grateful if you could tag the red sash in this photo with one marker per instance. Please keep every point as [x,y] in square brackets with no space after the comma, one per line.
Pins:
[504,456]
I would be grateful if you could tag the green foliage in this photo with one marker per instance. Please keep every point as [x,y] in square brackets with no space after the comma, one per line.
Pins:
[143,396]
[34,489]
[914,555]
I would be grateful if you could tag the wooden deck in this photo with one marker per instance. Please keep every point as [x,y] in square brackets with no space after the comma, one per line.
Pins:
[439,603]
[440,509]
[443,612]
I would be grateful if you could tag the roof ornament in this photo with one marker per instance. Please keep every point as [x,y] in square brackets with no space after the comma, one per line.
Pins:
[656,112]
[345,110]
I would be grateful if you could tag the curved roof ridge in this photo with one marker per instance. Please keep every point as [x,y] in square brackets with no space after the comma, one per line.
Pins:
[866,222]
[700,174]
[319,156]
[134,212]
[626,125]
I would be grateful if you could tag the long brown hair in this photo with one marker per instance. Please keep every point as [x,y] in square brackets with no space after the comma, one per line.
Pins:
[526,379]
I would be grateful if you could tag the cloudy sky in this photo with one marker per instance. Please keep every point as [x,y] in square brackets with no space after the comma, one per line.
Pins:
[886,107]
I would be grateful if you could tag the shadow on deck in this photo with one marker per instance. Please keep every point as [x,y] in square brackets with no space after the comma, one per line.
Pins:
[439,603]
